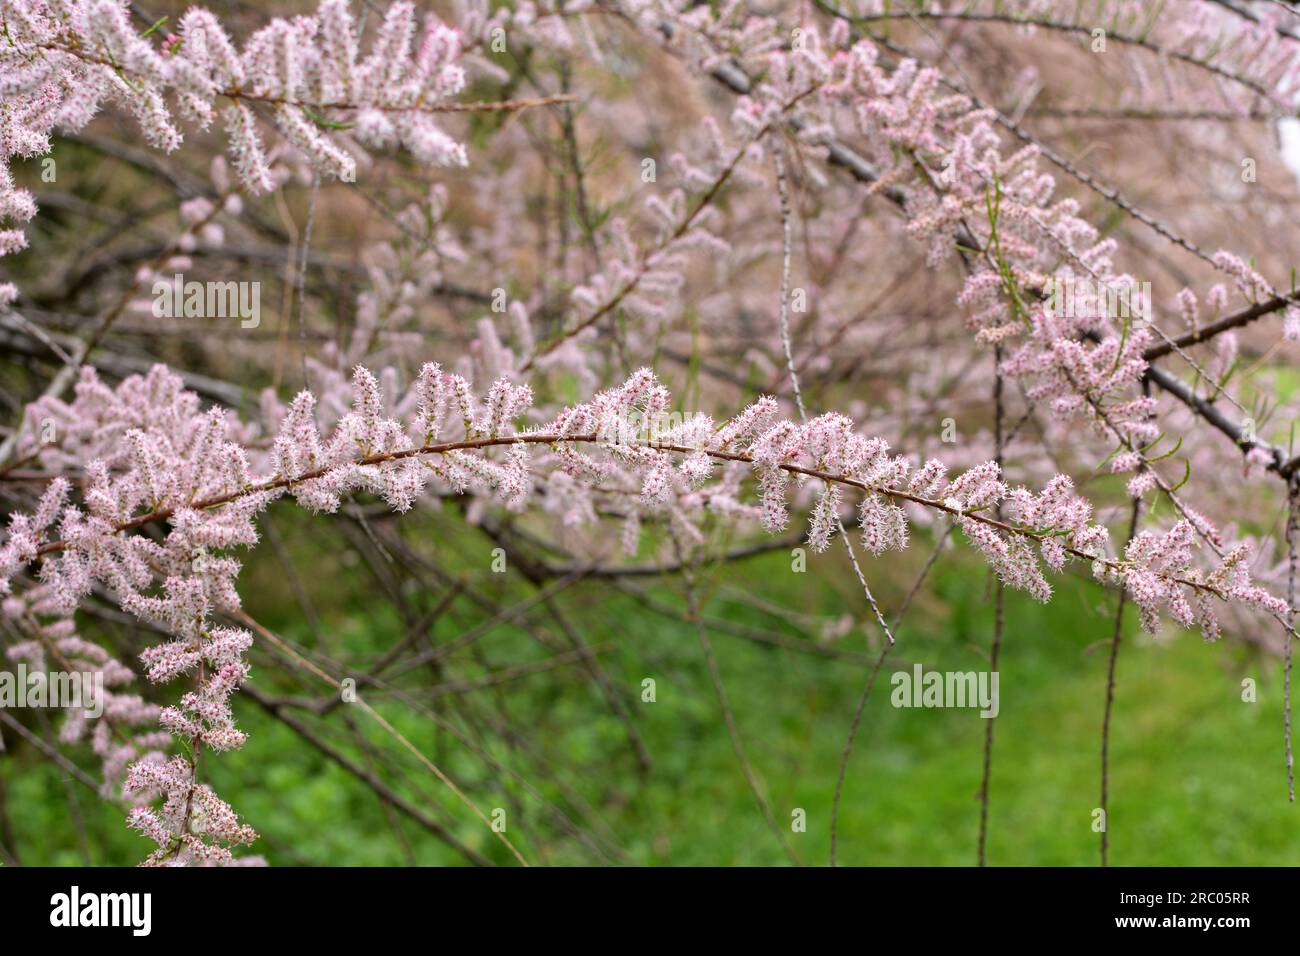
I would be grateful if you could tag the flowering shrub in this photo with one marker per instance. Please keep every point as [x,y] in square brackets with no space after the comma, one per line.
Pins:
[142,484]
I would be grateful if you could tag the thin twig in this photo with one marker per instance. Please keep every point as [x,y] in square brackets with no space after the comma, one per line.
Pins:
[999,599]
[1110,700]
[1292,502]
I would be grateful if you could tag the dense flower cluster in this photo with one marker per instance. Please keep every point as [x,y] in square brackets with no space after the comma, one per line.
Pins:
[923,135]
[191,469]
[62,59]
[122,727]
[193,826]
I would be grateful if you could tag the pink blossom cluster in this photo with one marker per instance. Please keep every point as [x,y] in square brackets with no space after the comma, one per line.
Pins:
[560,25]
[126,730]
[146,446]
[959,185]
[1076,361]
[645,277]
[192,826]
[183,470]
[1155,558]
[63,59]
[1223,347]
[968,187]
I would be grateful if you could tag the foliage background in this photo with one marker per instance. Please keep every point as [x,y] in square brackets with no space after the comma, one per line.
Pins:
[1194,775]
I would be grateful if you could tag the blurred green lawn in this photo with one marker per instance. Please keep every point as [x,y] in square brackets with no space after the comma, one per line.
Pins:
[1197,775]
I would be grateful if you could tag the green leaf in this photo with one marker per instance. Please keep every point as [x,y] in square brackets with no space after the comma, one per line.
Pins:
[326,123]
[156,26]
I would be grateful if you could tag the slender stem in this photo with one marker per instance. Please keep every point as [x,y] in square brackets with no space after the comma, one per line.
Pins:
[998,615]
[1060,26]
[847,752]
[1293,494]
[733,729]
[1110,701]
[300,280]
[648,261]
[392,731]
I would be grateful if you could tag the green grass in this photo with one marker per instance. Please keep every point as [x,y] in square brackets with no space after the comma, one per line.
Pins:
[1197,775]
